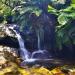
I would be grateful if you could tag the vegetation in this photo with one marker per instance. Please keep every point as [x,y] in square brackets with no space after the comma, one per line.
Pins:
[65,28]
[21,11]
[29,14]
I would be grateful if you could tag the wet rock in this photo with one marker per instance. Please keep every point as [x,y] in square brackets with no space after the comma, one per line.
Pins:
[5,31]
[7,37]
[1,48]
[2,34]
[2,60]
[9,41]
[7,54]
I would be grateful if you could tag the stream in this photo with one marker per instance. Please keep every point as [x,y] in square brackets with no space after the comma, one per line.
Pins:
[25,55]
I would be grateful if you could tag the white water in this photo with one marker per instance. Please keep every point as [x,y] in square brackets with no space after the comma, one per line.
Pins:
[23,51]
[39,48]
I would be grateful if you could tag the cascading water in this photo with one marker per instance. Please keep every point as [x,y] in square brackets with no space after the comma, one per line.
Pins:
[25,55]
[23,51]
[40,54]
[39,51]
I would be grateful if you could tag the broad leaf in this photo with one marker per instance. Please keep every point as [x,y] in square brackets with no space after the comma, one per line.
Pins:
[62,19]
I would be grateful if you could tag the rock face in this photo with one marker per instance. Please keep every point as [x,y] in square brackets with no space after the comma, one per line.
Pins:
[7,54]
[2,60]
[4,31]
[7,40]
[2,34]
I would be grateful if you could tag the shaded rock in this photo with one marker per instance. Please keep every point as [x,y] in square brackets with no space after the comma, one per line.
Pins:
[4,30]
[2,34]
[9,41]
[7,54]
[2,60]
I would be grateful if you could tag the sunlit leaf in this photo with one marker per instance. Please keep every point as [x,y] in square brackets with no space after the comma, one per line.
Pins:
[72,15]
[62,19]
[51,9]
[73,5]
[73,1]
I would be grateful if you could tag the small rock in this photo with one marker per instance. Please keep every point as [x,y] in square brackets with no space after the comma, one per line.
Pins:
[8,49]
[2,60]
[72,72]
[1,48]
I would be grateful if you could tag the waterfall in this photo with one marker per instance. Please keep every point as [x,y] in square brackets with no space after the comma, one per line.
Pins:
[38,40]
[39,46]
[23,51]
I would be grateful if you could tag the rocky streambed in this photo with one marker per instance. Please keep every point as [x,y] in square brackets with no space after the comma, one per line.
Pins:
[10,65]
[10,61]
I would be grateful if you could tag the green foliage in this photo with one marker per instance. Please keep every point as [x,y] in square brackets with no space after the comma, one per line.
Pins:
[63,19]
[73,1]
[23,17]
[65,30]
[22,9]
[19,9]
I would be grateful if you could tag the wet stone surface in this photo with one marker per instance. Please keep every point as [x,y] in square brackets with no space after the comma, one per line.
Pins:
[7,53]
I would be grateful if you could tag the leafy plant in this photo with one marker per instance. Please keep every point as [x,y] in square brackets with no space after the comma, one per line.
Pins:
[65,29]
